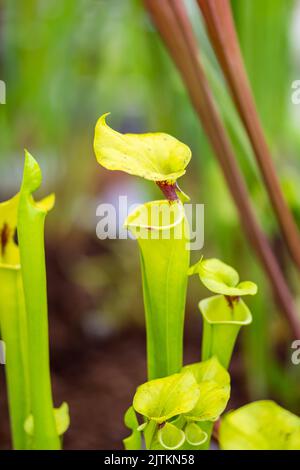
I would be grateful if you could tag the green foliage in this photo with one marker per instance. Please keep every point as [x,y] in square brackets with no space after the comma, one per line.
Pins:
[23,315]
[173,406]
[222,321]
[194,435]
[178,408]
[156,156]
[162,233]
[223,315]
[210,370]
[267,58]
[261,425]
[125,67]
[13,322]
[31,217]
[213,399]
[214,386]
[162,399]
[221,278]
[61,417]
[218,310]
[134,441]
[133,75]
[164,255]
[170,437]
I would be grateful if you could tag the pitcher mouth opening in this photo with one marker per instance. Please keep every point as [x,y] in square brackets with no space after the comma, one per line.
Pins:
[216,311]
[156,215]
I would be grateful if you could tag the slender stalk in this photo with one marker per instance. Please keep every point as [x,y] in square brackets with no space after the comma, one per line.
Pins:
[13,332]
[174,26]
[164,255]
[149,434]
[220,26]
[221,325]
[13,324]
[31,218]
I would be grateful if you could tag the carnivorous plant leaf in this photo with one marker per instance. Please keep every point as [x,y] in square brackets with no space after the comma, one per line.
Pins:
[13,323]
[62,420]
[161,230]
[154,156]
[222,321]
[195,436]
[170,437]
[31,218]
[211,403]
[261,425]
[23,313]
[221,278]
[134,441]
[210,370]
[161,399]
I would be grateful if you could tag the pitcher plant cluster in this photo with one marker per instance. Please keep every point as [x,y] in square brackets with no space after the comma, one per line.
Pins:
[35,424]
[179,405]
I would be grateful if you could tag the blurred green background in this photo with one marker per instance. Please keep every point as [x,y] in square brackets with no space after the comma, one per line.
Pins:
[65,63]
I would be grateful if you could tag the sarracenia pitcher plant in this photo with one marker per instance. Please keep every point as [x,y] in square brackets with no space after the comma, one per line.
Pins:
[225,313]
[177,407]
[161,230]
[24,319]
[176,410]
[261,425]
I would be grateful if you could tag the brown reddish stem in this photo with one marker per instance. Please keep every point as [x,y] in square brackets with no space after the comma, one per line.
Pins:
[216,429]
[168,190]
[175,29]
[221,29]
